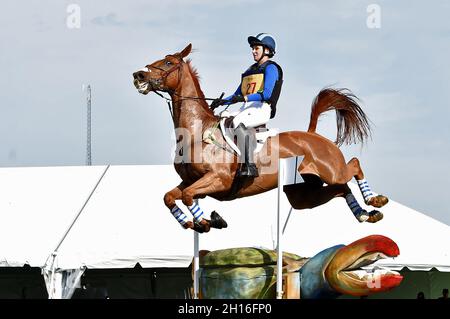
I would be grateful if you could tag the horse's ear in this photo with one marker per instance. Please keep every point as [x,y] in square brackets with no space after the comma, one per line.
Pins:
[186,51]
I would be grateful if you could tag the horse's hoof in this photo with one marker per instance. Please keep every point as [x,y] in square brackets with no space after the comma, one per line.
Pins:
[377,201]
[188,225]
[362,215]
[198,228]
[201,228]
[375,216]
[217,221]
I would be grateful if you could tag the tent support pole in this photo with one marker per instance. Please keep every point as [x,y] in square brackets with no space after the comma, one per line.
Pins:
[55,251]
[81,210]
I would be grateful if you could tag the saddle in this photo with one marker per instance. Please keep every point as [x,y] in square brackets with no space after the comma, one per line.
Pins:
[227,130]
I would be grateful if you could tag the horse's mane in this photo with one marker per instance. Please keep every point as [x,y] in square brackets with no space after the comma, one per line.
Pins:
[196,78]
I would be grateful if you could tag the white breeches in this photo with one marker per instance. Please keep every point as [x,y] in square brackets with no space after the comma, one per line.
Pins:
[252,114]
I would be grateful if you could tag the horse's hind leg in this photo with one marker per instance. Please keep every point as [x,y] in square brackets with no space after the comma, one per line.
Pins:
[350,170]
[370,198]
[360,213]
[312,192]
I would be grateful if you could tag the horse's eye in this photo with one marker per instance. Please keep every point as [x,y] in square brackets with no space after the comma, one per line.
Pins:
[168,63]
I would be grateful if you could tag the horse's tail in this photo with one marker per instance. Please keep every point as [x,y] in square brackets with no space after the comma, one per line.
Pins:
[352,123]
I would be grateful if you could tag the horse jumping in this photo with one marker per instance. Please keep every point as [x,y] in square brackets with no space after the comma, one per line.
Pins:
[210,175]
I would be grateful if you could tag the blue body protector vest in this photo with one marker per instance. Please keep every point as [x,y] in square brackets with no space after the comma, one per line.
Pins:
[253,82]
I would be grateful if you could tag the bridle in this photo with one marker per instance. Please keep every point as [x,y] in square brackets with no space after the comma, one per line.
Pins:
[166,73]
[162,80]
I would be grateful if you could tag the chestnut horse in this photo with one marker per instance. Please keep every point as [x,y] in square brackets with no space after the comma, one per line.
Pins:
[210,175]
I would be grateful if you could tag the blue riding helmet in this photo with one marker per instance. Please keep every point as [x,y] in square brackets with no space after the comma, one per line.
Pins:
[263,39]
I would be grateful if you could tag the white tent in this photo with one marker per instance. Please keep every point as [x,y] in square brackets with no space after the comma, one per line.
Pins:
[125,222]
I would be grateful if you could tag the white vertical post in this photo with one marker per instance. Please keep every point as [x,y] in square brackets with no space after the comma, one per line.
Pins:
[196,263]
[287,174]
[279,233]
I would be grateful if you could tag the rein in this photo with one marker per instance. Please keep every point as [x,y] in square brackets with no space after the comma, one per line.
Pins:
[165,74]
[170,101]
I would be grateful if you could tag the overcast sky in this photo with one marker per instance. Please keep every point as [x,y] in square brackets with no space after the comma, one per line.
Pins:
[400,71]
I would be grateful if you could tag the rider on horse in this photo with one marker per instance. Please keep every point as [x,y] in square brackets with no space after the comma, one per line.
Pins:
[259,89]
[323,161]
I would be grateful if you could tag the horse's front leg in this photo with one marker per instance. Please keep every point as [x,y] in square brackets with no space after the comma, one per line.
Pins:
[210,183]
[170,198]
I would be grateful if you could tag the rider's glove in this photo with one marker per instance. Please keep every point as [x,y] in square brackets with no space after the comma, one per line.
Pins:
[236,99]
[216,103]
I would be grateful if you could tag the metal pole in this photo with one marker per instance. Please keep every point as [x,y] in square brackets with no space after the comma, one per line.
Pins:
[279,233]
[81,210]
[196,263]
[55,251]
[88,125]
[51,292]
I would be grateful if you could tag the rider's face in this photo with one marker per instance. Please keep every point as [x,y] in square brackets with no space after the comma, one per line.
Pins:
[257,52]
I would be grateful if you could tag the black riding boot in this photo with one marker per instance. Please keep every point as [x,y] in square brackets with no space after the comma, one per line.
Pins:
[247,143]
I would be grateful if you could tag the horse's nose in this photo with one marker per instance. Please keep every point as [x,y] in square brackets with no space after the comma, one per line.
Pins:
[139,75]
